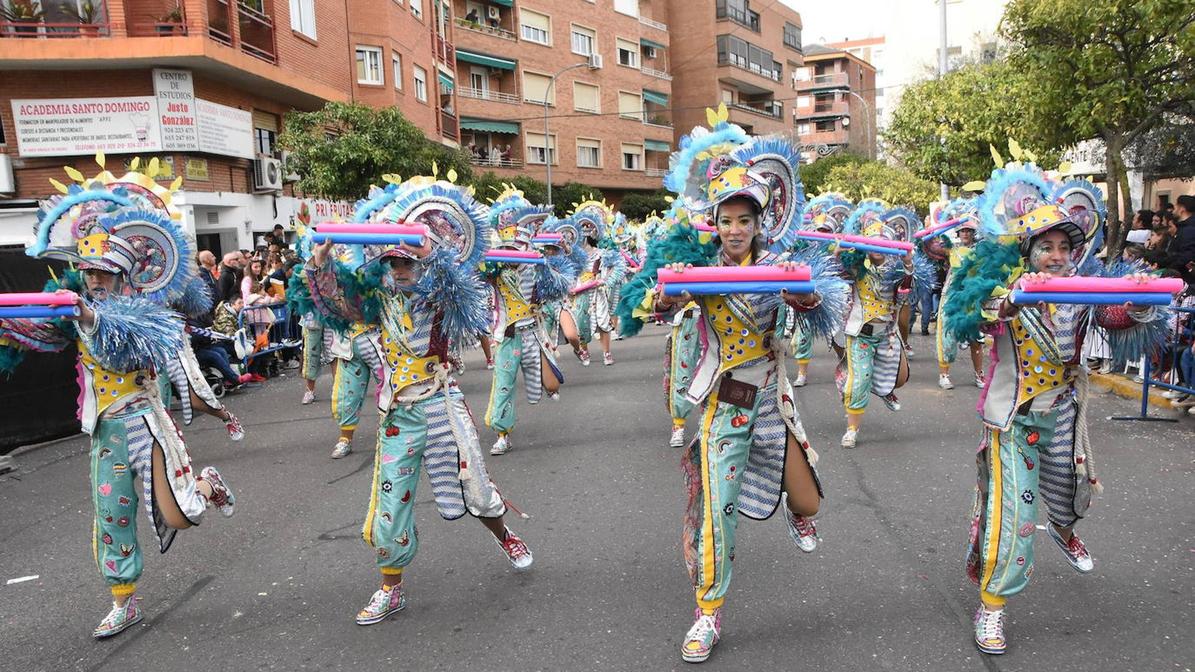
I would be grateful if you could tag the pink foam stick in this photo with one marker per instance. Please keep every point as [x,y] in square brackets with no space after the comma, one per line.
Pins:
[38,299]
[514,254]
[585,286]
[939,228]
[881,242]
[707,228]
[734,274]
[1105,285]
[547,236]
[401,229]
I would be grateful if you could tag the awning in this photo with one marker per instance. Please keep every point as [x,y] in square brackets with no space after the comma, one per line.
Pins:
[504,3]
[482,59]
[471,124]
[653,97]
[643,41]
[656,146]
[445,83]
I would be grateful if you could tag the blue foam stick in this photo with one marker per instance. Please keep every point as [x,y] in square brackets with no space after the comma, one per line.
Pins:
[367,238]
[1021,298]
[717,288]
[864,247]
[494,259]
[39,311]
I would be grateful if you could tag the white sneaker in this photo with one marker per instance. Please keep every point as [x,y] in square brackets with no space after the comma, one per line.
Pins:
[850,438]
[554,396]
[489,365]
[1191,411]
[800,381]
[1074,550]
[516,551]
[989,631]
[1172,394]
[801,530]
[678,437]
[944,381]
[608,359]
[909,352]
[308,397]
[342,448]
[980,381]
[383,603]
[501,446]
[891,401]
[702,637]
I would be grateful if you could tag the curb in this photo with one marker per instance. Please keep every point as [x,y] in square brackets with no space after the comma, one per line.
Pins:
[1123,386]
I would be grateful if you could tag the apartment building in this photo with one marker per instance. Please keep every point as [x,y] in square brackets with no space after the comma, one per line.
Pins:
[738,52]
[595,73]
[836,102]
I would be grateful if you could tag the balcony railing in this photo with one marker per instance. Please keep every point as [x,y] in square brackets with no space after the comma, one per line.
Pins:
[655,172]
[824,138]
[653,24]
[496,162]
[771,109]
[659,122]
[257,30]
[48,30]
[835,109]
[443,50]
[449,126]
[834,79]
[484,28]
[652,72]
[748,19]
[485,94]
[733,59]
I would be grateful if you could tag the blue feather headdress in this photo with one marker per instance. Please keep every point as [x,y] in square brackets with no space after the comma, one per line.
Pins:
[775,159]
[595,216]
[871,209]
[826,212]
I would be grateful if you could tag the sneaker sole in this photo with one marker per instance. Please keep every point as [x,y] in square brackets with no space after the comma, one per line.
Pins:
[989,650]
[700,658]
[378,619]
[112,633]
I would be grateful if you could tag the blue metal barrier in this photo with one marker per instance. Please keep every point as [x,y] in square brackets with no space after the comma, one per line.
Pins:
[1146,383]
[284,333]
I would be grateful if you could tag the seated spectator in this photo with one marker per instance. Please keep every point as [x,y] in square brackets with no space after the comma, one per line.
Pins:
[1143,219]
[213,352]
[1159,239]
[226,314]
[1155,259]
[1133,252]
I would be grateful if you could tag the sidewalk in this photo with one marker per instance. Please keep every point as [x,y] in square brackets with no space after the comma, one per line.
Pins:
[1124,386]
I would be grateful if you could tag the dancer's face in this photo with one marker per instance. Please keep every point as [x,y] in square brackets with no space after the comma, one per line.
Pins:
[1050,253]
[100,285]
[403,271]
[966,237]
[737,224]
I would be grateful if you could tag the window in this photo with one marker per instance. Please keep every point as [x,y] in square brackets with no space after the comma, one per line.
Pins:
[630,106]
[727,96]
[396,66]
[589,153]
[264,140]
[535,27]
[792,36]
[420,77]
[417,9]
[583,41]
[628,7]
[369,66]
[586,98]
[538,151]
[479,79]
[535,88]
[735,51]
[827,126]
[737,11]
[302,17]
[628,52]
[802,129]
[632,157]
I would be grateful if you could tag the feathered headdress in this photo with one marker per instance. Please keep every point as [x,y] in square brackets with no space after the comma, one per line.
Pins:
[867,219]
[826,212]
[124,225]
[593,218]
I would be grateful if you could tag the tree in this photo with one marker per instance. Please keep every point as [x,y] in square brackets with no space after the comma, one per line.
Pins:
[638,206]
[340,150]
[942,128]
[487,186]
[876,179]
[813,175]
[1120,67]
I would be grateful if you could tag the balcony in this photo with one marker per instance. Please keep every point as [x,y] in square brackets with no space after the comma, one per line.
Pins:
[53,30]
[736,61]
[655,172]
[449,125]
[443,51]
[833,80]
[30,19]
[156,18]
[769,108]
[257,29]
[836,137]
[824,110]
[491,149]
[747,19]
[486,94]
[651,23]
[658,74]
[485,29]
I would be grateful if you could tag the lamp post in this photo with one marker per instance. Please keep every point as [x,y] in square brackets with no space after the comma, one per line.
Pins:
[547,137]
[866,117]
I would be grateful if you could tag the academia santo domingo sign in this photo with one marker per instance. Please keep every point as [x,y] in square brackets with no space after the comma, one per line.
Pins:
[171,120]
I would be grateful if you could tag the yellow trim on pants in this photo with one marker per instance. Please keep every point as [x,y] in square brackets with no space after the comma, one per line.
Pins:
[708,544]
[995,505]
[367,529]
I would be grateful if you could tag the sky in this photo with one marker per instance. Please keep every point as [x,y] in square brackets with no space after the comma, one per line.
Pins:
[841,19]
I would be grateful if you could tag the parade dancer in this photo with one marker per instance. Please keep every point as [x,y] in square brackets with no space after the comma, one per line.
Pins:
[559,315]
[122,234]
[605,265]
[184,370]
[874,359]
[358,354]
[1035,446]
[424,299]
[751,444]
[824,214]
[947,346]
[517,325]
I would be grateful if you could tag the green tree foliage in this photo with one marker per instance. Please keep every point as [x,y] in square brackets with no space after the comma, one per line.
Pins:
[813,175]
[1120,67]
[487,186]
[340,150]
[942,128]
[638,206]
[876,179]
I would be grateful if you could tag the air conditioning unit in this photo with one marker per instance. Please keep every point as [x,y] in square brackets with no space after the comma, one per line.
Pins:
[595,61]
[649,52]
[493,12]
[289,175]
[8,184]
[267,174]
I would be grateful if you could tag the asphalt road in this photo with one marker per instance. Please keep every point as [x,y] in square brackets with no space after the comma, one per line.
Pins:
[278,585]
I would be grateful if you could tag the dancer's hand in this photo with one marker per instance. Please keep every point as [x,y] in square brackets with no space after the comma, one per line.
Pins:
[1140,279]
[319,253]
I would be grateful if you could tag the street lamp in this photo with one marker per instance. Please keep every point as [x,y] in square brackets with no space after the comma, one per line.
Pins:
[547,137]
[866,118]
